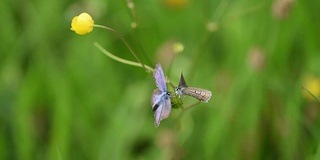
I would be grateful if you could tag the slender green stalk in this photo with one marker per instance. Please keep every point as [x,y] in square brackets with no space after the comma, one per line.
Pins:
[192,105]
[121,60]
[317,154]
[315,97]
[134,26]
[131,6]
[124,41]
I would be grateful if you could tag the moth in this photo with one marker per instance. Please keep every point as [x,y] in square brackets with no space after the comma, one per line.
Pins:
[161,104]
[202,95]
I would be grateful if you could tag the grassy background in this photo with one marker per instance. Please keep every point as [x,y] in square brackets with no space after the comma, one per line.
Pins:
[61,98]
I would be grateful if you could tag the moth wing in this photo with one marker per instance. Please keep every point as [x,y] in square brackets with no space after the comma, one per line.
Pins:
[181,86]
[207,96]
[159,78]
[182,82]
[198,93]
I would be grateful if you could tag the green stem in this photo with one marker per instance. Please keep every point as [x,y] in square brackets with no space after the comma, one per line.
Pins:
[147,68]
[192,105]
[131,6]
[124,41]
[314,96]
[134,26]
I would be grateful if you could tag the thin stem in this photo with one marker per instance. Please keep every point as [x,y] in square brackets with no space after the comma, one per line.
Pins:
[124,41]
[185,109]
[192,105]
[110,55]
[315,97]
[171,84]
[131,6]
[230,19]
[134,26]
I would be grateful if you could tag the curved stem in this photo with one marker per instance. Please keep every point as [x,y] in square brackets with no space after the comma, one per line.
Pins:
[124,41]
[121,60]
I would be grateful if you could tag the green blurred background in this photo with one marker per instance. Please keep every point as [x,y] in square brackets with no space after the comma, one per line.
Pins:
[62,98]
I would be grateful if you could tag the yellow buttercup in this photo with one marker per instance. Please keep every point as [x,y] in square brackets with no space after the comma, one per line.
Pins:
[82,24]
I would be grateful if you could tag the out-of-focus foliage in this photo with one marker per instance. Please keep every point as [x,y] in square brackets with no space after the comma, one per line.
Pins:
[61,98]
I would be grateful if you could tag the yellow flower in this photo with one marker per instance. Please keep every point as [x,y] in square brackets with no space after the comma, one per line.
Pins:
[176,4]
[82,24]
[312,84]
